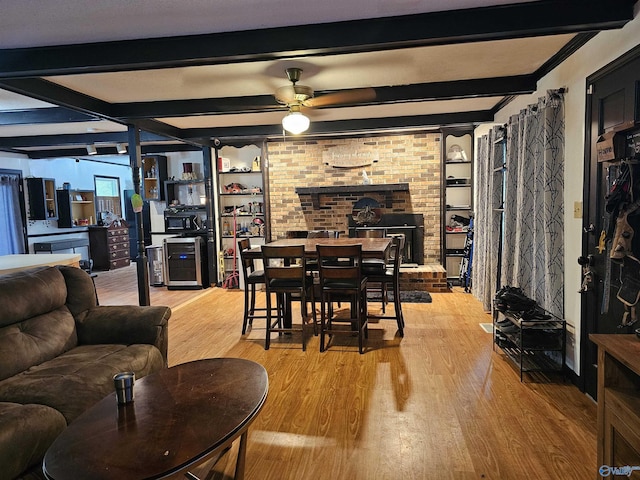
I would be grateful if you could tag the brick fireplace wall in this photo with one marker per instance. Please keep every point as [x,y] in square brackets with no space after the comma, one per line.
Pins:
[412,159]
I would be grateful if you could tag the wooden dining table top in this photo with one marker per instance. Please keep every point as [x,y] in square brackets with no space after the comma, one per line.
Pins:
[371,247]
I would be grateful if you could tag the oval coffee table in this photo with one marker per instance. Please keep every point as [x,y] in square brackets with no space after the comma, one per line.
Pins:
[180,417]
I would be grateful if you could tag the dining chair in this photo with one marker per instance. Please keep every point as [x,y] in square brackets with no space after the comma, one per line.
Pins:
[252,277]
[297,234]
[323,234]
[286,277]
[389,280]
[342,281]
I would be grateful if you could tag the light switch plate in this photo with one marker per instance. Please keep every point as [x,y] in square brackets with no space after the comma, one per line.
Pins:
[577,209]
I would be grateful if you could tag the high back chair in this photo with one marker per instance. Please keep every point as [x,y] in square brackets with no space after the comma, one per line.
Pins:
[342,281]
[323,234]
[252,277]
[286,277]
[389,279]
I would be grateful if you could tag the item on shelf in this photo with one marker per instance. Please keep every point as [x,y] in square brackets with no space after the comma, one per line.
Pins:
[234,188]
[455,153]
[513,300]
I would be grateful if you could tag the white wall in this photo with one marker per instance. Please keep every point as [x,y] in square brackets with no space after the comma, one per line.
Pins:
[571,74]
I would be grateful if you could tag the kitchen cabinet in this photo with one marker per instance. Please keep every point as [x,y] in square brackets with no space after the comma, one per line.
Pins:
[42,198]
[153,175]
[75,208]
[109,246]
[457,200]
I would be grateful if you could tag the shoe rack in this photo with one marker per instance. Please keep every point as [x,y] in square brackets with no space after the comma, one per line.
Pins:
[533,345]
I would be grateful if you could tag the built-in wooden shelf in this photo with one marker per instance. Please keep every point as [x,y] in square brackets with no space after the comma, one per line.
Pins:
[386,189]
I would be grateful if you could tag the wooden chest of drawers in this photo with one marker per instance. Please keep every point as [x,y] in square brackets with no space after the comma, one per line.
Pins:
[109,246]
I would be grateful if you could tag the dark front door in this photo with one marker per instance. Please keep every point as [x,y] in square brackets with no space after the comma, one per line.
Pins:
[614,103]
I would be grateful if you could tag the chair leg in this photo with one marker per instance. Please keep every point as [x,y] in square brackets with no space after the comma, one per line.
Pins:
[398,308]
[322,321]
[267,338]
[245,320]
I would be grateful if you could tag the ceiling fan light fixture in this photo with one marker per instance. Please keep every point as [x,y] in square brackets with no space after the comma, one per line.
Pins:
[121,148]
[295,122]
[91,150]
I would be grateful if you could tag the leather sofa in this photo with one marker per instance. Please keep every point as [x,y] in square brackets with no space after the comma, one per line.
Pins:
[59,351]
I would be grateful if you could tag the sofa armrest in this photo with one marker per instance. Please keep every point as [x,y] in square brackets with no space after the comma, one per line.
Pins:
[125,325]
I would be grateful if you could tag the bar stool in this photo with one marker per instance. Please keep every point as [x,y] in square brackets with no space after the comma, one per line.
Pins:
[251,277]
[390,278]
[342,281]
[285,276]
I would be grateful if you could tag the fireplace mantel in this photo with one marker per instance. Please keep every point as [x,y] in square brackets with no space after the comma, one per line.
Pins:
[386,189]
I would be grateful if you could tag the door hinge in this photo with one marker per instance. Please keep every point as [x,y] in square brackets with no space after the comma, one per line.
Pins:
[590,89]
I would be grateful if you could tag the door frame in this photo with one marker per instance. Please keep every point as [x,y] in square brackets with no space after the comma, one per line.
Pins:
[591,181]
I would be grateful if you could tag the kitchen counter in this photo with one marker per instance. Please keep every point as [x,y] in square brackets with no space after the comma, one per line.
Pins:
[15,263]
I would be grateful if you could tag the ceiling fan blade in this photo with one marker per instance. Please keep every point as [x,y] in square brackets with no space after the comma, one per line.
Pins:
[293,94]
[356,95]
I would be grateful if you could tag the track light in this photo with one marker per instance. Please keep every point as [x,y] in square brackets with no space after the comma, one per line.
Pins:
[295,122]
[121,148]
[91,150]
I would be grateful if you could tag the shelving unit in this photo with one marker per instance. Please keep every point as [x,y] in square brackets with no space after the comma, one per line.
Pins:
[76,208]
[457,195]
[42,198]
[184,193]
[533,345]
[153,175]
[242,206]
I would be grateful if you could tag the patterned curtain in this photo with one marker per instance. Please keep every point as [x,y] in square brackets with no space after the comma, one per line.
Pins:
[487,220]
[533,253]
[11,239]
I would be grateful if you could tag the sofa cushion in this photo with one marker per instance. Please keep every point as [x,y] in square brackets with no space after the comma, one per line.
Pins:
[29,293]
[36,340]
[26,432]
[79,378]
[35,324]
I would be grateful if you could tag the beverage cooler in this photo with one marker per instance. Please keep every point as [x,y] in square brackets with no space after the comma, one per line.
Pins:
[185,263]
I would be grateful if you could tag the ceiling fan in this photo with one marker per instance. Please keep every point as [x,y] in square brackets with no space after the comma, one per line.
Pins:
[296,96]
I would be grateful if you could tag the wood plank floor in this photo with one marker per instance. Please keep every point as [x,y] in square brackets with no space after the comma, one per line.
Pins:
[438,403]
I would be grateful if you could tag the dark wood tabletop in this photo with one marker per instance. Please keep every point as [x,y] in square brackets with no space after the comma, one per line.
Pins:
[180,417]
[371,247]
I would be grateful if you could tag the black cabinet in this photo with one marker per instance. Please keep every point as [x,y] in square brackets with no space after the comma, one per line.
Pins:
[75,208]
[42,198]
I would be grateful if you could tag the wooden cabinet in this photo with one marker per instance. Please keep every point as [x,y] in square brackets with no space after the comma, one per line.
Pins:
[42,198]
[109,246]
[153,176]
[75,208]
[618,402]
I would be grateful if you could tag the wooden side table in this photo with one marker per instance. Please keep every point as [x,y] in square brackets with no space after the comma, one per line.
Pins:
[180,417]
[618,401]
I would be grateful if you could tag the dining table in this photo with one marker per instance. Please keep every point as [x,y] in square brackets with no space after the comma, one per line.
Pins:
[371,247]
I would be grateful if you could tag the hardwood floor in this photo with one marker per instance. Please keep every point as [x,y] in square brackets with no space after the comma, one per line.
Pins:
[438,403]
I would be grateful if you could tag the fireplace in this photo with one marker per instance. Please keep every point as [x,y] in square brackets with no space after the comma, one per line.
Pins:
[411,225]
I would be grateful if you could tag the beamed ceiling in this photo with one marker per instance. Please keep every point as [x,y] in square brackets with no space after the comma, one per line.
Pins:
[186,73]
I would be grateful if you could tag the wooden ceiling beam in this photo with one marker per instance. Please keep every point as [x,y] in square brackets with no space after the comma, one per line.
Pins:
[543,17]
